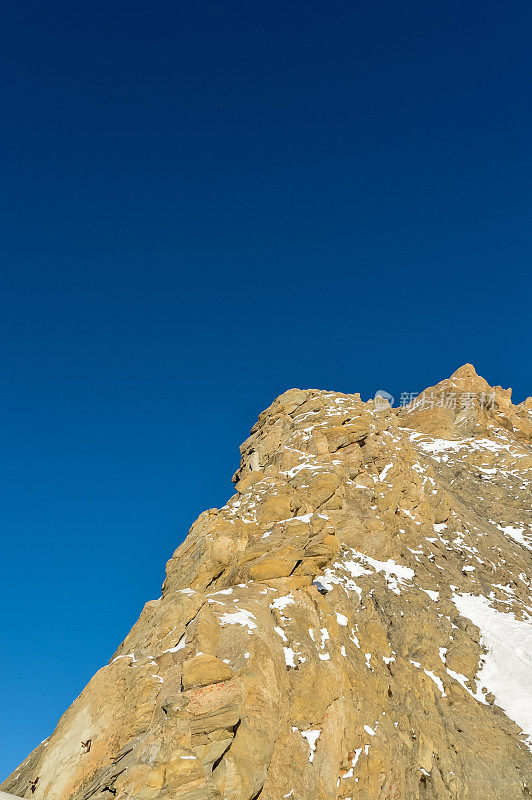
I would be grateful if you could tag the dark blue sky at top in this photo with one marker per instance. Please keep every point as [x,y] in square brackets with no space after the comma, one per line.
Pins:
[203,205]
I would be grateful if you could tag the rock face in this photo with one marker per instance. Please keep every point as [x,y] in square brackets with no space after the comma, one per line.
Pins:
[354,623]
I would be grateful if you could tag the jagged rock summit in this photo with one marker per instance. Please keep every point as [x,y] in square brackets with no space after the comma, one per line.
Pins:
[353,623]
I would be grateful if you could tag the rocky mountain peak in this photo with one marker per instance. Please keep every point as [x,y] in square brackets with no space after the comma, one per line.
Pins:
[465,371]
[353,623]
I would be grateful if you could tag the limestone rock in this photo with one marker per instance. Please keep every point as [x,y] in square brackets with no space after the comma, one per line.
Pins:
[353,623]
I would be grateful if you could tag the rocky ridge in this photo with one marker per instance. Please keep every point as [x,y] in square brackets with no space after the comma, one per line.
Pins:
[353,623]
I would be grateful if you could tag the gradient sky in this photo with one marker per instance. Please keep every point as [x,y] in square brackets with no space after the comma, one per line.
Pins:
[202,205]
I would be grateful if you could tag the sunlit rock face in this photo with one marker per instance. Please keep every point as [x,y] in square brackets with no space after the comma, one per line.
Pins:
[353,623]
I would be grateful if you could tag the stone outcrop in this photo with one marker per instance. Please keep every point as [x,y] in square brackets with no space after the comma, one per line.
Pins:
[353,623]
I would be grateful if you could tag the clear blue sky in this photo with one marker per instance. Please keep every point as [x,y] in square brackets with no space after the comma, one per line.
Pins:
[202,205]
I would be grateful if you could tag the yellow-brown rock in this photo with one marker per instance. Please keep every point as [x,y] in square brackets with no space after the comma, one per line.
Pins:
[203,670]
[353,624]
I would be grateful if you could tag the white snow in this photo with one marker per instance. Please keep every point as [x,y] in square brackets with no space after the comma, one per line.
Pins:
[433,595]
[462,680]
[312,736]
[385,471]
[516,534]
[302,518]
[506,670]
[369,730]
[394,573]
[355,569]
[437,681]
[443,445]
[341,619]
[409,514]
[126,655]
[281,603]
[349,773]
[239,617]
[281,633]
[289,657]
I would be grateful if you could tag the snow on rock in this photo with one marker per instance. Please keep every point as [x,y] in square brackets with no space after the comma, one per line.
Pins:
[395,574]
[280,632]
[507,667]
[333,642]
[280,603]
[516,534]
[437,681]
[239,617]
[125,655]
[289,657]
[179,646]
[354,760]
[385,472]
[312,736]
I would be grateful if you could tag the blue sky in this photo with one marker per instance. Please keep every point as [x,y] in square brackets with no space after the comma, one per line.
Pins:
[203,205]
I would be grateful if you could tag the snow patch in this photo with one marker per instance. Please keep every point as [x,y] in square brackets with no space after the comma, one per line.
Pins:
[506,670]
[516,534]
[239,617]
[395,574]
[280,603]
[289,657]
[437,681]
[312,736]
[385,471]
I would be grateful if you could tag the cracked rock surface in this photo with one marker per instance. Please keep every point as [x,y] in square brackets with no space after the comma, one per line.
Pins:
[354,623]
